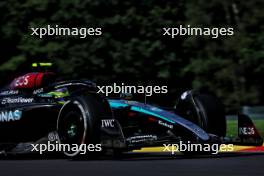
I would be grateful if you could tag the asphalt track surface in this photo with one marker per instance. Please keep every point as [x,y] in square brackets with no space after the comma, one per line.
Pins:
[137,164]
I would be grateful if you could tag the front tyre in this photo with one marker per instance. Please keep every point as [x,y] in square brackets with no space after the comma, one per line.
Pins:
[79,124]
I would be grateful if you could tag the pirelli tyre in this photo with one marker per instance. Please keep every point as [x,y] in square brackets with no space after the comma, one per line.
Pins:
[204,110]
[79,124]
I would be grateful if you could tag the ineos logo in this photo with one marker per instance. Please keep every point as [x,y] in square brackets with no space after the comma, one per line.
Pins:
[248,131]
[22,81]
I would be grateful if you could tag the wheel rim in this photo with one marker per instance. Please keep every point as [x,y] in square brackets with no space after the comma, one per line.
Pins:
[72,131]
[72,126]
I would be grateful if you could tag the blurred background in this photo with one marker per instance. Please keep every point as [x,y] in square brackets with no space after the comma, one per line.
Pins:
[133,49]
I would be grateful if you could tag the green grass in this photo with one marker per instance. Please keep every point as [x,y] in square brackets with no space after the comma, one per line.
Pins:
[232,127]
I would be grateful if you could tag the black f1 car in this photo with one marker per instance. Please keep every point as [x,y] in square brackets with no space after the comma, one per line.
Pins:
[35,108]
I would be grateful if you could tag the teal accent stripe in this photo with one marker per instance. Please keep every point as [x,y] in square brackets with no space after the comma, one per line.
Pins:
[117,105]
[139,109]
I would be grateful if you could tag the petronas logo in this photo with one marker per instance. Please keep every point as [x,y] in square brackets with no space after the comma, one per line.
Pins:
[8,116]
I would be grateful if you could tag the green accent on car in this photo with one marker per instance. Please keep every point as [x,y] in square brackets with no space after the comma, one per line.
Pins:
[57,94]
[42,64]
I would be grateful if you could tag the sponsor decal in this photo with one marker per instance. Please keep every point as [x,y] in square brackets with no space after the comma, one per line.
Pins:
[9,92]
[45,95]
[108,123]
[7,116]
[165,124]
[22,81]
[144,138]
[53,136]
[247,131]
[16,100]
[38,91]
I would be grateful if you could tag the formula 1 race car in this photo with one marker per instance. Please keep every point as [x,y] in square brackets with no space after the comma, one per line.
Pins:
[35,109]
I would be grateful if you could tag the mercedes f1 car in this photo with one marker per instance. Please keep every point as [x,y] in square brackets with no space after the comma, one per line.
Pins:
[35,108]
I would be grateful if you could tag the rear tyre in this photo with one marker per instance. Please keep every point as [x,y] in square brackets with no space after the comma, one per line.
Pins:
[79,123]
[204,110]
